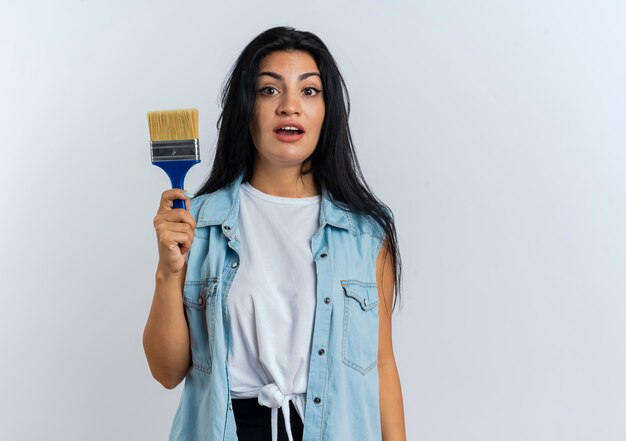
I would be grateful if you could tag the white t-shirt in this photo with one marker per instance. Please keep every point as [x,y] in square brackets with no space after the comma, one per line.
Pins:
[271,303]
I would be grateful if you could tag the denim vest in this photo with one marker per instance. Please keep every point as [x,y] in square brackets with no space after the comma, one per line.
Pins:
[342,401]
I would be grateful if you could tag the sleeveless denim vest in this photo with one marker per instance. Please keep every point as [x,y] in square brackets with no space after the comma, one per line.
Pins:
[342,399]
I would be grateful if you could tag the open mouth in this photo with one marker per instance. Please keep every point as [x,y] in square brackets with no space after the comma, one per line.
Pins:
[289,131]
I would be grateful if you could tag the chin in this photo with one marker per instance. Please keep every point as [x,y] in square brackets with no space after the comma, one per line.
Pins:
[291,155]
[290,161]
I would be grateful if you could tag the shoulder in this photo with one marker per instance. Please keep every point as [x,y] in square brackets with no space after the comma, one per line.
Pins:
[370,225]
[213,208]
[198,202]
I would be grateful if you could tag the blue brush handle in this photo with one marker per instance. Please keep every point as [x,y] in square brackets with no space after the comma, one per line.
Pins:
[176,170]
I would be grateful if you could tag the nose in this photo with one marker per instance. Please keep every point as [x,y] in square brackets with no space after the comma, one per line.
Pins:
[289,104]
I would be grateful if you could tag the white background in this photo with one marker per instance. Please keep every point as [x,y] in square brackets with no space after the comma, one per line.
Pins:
[494,130]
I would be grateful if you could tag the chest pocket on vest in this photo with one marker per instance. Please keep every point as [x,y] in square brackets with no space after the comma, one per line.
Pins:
[360,325]
[199,300]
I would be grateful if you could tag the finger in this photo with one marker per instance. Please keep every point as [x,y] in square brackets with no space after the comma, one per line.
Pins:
[169,196]
[184,249]
[184,241]
[178,227]
[186,246]
[173,240]
[168,232]
[177,215]
[188,197]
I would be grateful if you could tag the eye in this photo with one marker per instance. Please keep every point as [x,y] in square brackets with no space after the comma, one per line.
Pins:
[311,91]
[268,90]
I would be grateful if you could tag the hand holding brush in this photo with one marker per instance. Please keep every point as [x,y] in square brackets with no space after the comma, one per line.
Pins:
[175,231]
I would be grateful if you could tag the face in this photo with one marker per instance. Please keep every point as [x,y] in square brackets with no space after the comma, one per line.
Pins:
[289,108]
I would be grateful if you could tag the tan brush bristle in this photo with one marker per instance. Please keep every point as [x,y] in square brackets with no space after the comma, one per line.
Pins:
[173,125]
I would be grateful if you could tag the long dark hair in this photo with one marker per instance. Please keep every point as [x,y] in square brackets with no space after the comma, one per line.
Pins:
[333,163]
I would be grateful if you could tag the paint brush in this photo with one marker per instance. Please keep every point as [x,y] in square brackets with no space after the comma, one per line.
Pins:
[174,144]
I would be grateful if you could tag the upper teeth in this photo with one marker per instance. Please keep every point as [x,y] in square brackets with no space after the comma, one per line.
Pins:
[290,128]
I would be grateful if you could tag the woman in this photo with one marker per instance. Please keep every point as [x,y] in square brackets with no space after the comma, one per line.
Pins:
[297,345]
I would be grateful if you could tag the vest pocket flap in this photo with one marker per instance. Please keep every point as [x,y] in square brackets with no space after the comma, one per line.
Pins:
[364,293]
[196,294]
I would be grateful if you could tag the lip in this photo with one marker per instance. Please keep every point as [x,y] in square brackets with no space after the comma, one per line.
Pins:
[289,137]
[289,123]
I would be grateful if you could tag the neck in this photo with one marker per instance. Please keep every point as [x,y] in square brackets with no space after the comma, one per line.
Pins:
[283,182]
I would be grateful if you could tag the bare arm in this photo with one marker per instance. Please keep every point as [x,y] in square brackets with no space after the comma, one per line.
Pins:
[390,391]
[166,335]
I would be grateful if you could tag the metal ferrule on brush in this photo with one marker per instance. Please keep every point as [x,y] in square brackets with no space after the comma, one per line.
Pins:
[184,149]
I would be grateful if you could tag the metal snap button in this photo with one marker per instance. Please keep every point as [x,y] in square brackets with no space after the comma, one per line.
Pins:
[317,400]
[321,352]
[327,300]
[323,255]
[226,227]
[200,300]
[235,264]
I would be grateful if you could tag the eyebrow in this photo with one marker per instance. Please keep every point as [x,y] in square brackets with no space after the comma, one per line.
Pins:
[279,77]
